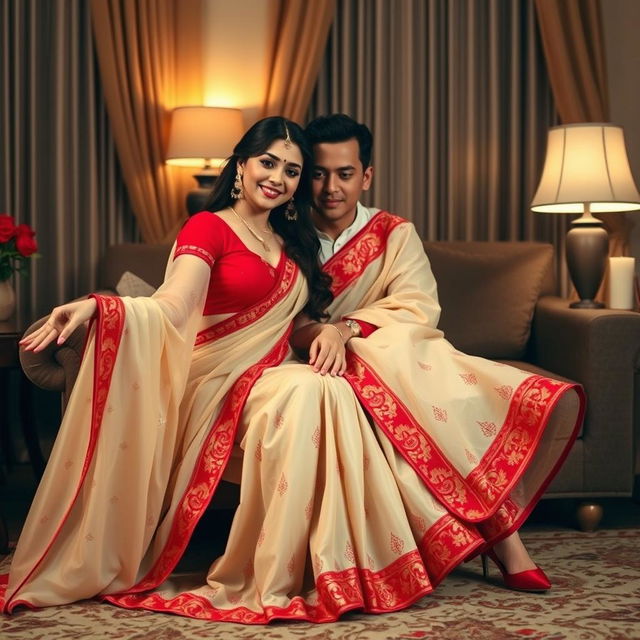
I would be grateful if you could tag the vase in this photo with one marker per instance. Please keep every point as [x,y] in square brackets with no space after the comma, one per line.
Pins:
[7,300]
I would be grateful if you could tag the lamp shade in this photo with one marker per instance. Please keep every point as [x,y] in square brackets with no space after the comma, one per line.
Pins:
[203,136]
[586,164]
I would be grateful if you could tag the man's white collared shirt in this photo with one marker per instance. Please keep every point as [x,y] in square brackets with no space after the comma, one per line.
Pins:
[329,246]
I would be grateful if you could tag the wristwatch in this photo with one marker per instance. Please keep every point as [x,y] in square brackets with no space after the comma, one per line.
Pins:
[354,327]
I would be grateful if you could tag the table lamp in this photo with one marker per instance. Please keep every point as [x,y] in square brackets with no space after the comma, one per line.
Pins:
[203,137]
[586,171]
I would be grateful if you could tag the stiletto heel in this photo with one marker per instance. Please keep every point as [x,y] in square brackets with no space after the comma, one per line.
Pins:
[485,565]
[533,580]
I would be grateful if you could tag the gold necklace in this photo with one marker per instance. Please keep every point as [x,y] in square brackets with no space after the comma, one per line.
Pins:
[252,231]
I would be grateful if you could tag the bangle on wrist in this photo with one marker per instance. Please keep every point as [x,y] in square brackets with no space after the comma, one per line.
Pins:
[338,330]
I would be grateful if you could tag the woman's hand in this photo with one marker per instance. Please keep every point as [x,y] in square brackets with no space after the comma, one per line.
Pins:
[327,352]
[62,322]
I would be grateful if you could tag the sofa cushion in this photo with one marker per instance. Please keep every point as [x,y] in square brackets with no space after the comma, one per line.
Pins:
[130,285]
[488,292]
[147,261]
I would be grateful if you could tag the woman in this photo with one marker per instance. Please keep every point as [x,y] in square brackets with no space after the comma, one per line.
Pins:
[151,423]
[330,517]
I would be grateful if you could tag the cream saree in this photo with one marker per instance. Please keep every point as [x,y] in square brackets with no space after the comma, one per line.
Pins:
[144,441]
[472,443]
[340,508]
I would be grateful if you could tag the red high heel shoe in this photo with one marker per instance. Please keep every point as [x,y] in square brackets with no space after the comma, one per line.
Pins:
[533,580]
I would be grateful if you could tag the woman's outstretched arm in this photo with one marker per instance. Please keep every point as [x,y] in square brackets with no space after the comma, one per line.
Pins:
[182,293]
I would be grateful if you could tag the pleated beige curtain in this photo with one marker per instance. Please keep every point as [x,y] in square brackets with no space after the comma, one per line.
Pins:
[137,48]
[459,103]
[574,47]
[300,38]
[573,43]
[58,166]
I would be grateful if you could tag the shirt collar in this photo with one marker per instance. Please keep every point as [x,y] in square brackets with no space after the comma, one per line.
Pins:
[359,221]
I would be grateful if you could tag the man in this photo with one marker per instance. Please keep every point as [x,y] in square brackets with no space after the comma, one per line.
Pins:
[342,171]
[456,430]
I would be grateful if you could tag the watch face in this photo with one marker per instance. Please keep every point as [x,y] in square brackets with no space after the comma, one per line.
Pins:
[354,327]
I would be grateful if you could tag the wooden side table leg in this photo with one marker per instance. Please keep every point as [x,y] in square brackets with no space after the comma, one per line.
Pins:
[6,443]
[29,427]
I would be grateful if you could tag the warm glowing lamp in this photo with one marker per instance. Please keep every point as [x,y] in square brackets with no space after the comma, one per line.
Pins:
[203,137]
[586,171]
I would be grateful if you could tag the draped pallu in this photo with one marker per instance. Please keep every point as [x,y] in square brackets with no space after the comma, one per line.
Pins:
[360,492]
[477,440]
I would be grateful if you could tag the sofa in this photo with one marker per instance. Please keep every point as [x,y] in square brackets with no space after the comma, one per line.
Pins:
[499,301]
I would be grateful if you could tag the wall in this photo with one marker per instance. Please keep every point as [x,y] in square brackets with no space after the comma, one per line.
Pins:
[621,23]
[238,41]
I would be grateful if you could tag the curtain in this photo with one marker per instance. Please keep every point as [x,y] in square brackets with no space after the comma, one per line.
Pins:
[458,100]
[137,47]
[300,38]
[573,39]
[58,167]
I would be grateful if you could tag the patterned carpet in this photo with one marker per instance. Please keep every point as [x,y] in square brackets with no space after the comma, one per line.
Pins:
[596,595]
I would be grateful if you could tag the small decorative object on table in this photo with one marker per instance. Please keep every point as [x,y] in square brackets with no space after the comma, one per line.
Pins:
[17,245]
[621,283]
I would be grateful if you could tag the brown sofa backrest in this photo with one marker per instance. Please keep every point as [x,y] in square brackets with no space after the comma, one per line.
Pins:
[488,292]
[147,261]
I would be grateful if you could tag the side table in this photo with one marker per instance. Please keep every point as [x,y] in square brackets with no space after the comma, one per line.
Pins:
[9,360]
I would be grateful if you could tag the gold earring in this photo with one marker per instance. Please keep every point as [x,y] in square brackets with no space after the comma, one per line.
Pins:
[290,212]
[236,190]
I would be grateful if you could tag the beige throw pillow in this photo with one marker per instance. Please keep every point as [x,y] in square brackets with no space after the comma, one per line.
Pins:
[133,286]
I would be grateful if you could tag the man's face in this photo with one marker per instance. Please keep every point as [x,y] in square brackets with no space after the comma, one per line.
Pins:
[338,181]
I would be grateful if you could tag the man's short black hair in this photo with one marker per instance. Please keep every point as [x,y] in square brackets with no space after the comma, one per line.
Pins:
[340,127]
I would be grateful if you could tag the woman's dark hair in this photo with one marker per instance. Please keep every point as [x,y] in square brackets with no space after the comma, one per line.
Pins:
[300,239]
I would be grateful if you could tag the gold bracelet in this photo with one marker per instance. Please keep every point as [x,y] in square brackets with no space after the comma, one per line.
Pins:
[336,328]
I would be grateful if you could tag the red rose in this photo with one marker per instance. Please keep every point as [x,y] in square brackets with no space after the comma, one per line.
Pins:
[25,241]
[7,227]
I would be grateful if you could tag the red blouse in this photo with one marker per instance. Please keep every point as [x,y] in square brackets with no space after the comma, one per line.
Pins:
[239,277]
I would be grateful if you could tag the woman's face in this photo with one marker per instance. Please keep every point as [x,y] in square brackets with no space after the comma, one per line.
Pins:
[270,179]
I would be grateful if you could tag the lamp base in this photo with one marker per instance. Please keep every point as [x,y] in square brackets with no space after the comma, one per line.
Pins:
[197,198]
[587,304]
[587,250]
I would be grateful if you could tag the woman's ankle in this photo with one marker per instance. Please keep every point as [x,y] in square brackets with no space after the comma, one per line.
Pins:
[513,554]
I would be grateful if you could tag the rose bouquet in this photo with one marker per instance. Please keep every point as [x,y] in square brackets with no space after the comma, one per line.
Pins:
[17,245]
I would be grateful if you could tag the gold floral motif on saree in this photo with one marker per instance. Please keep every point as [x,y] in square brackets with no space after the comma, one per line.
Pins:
[364,247]
[474,496]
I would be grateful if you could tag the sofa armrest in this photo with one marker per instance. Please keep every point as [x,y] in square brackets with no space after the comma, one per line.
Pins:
[586,345]
[56,367]
[599,348]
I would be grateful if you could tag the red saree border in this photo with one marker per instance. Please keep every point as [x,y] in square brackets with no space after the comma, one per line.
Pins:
[510,517]
[395,587]
[109,327]
[207,472]
[475,497]
[446,544]
[243,318]
[369,243]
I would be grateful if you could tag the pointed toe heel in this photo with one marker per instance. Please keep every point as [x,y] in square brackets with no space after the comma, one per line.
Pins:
[533,580]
